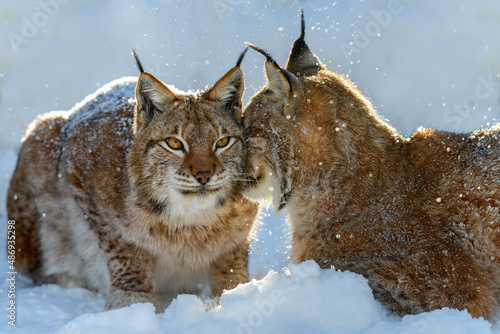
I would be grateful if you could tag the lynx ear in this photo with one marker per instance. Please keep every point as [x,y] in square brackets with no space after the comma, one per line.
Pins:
[277,82]
[301,61]
[152,97]
[229,91]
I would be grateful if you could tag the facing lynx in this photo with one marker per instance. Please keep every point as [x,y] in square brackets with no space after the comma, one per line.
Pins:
[136,202]
[418,217]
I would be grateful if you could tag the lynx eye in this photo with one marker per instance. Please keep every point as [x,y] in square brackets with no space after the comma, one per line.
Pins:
[222,142]
[174,143]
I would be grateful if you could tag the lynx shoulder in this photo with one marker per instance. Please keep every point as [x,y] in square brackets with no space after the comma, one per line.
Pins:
[418,217]
[139,200]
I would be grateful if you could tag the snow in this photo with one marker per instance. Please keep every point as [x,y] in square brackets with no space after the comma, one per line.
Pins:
[422,63]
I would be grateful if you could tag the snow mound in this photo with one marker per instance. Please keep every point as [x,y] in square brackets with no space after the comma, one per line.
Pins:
[137,318]
[300,299]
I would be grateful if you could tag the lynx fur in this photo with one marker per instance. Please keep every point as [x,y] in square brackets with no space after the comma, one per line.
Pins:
[418,217]
[137,200]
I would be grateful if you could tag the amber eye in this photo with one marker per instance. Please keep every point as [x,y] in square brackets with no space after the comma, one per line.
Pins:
[222,142]
[174,143]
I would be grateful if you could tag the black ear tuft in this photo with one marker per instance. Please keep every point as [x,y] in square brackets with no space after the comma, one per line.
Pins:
[289,76]
[240,58]
[263,52]
[300,43]
[303,24]
[137,61]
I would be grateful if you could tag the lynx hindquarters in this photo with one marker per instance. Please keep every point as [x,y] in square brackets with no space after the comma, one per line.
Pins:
[418,217]
[136,200]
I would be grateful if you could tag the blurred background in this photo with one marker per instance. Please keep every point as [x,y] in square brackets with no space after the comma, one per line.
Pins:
[422,63]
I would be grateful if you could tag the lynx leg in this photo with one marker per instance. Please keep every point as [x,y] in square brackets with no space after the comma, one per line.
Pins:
[426,284]
[230,270]
[131,273]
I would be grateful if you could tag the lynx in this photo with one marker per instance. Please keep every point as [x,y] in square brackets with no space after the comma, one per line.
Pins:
[418,217]
[138,200]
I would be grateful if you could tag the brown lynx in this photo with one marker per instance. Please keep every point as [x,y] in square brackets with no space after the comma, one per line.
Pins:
[418,217]
[136,200]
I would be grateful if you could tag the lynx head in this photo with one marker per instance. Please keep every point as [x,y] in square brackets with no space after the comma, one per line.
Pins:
[188,150]
[303,125]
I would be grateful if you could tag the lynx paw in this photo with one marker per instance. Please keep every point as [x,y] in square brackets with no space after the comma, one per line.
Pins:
[119,298]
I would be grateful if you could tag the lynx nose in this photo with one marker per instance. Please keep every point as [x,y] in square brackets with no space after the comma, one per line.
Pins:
[203,177]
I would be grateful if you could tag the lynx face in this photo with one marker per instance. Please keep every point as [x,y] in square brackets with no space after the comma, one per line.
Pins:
[299,125]
[189,150]
[137,213]
[285,127]
[272,143]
